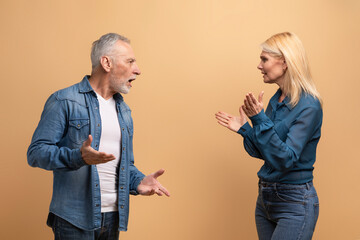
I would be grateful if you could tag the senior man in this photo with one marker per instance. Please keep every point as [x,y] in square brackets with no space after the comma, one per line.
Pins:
[85,136]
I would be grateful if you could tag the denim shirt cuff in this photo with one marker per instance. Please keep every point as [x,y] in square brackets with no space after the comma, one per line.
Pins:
[77,159]
[244,129]
[136,184]
[259,118]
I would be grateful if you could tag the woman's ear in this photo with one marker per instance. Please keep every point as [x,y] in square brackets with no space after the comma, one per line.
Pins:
[284,65]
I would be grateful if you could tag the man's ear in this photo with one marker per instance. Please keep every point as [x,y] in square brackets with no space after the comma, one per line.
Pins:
[106,63]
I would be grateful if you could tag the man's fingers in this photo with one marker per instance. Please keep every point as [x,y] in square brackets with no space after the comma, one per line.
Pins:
[152,192]
[104,157]
[159,173]
[88,141]
[107,159]
[165,191]
[158,192]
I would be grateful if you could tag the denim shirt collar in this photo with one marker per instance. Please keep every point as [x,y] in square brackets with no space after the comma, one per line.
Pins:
[274,101]
[85,87]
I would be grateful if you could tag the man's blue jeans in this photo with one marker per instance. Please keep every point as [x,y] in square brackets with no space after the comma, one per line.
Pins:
[64,230]
[286,211]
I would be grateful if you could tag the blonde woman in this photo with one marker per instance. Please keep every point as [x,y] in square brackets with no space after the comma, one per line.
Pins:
[285,137]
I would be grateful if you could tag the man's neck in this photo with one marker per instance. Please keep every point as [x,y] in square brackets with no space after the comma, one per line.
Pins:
[101,85]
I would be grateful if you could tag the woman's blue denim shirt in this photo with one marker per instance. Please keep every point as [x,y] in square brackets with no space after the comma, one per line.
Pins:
[69,116]
[286,138]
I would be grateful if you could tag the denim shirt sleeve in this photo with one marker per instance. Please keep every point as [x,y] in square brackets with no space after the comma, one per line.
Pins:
[247,132]
[282,155]
[135,175]
[135,178]
[44,151]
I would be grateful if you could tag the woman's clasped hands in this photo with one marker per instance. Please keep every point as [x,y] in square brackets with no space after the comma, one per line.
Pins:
[250,108]
[253,106]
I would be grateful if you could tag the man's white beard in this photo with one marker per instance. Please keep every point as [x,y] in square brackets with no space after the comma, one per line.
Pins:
[124,89]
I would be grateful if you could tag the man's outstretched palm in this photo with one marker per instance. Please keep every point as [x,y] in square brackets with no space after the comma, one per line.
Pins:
[150,185]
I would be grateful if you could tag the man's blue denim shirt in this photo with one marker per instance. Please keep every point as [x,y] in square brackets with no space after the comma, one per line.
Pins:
[69,116]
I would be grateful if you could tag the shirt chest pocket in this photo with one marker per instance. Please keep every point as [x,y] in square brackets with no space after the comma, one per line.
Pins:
[79,130]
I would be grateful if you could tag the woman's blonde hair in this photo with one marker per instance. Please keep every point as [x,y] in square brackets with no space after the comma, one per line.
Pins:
[298,78]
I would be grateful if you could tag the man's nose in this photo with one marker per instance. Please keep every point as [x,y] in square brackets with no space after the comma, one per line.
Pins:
[137,70]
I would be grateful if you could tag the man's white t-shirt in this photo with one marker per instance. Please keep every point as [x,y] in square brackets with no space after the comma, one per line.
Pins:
[110,141]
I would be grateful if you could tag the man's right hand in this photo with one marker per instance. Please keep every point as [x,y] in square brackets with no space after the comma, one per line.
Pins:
[91,156]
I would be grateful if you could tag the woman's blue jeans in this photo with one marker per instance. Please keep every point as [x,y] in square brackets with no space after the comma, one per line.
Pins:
[64,230]
[286,211]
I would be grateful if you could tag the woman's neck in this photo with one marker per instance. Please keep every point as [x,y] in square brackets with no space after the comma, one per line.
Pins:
[283,94]
[281,98]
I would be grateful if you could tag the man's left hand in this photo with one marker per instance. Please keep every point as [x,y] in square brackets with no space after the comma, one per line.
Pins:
[150,185]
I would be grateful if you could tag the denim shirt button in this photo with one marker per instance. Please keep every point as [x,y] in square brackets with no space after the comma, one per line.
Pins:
[122,206]
[121,187]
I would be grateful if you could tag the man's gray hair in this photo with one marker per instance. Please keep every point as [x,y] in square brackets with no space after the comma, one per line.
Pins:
[104,46]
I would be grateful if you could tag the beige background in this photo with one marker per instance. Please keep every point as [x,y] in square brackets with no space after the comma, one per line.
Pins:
[197,57]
